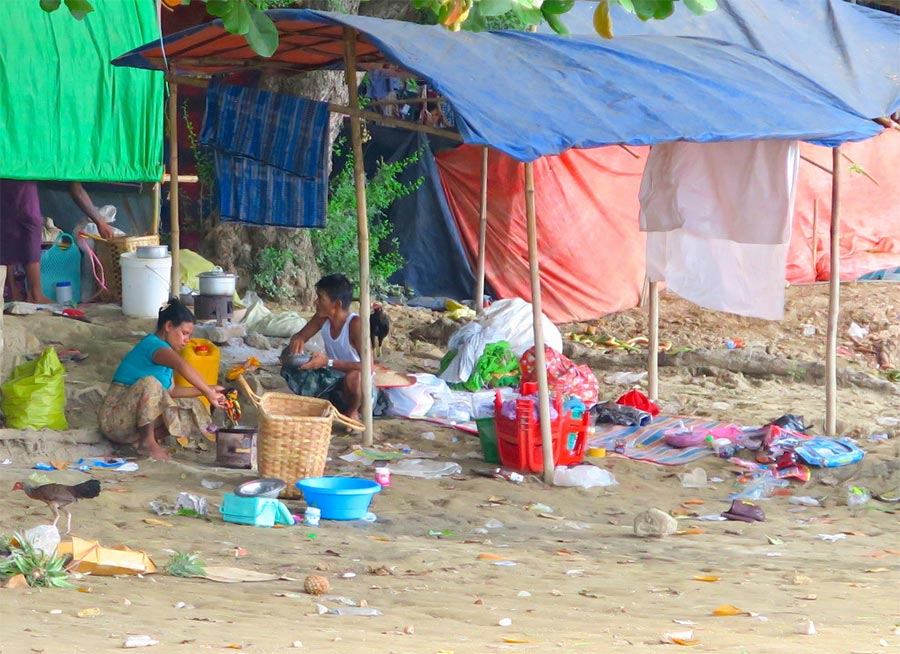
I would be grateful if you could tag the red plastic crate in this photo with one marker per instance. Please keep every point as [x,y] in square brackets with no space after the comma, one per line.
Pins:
[519,441]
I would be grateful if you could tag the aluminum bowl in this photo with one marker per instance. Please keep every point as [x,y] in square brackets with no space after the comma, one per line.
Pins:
[260,488]
[294,360]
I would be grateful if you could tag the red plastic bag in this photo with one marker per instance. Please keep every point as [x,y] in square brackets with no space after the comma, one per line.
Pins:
[639,401]
[563,376]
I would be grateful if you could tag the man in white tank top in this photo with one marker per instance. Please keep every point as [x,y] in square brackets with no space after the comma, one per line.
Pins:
[337,374]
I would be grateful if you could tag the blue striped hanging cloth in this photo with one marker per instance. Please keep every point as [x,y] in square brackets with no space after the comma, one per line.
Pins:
[270,154]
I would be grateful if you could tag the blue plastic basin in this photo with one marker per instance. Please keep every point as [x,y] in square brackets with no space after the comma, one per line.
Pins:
[339,498]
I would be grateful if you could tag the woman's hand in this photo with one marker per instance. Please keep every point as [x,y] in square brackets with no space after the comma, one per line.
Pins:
[215,397]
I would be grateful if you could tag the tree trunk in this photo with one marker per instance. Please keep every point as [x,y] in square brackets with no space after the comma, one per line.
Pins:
[237,247]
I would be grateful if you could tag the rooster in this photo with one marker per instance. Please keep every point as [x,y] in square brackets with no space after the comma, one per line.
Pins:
[59,496]
[379,327]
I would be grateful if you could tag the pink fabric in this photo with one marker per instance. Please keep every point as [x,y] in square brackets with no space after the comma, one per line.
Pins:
[563,376]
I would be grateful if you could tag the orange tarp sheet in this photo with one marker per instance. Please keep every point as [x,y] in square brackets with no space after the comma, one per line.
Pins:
[591,251]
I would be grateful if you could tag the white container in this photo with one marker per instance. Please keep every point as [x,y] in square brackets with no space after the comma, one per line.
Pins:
[145,284]
[63,292]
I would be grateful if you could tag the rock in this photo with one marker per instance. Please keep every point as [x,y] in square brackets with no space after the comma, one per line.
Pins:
[654,523]
[258,341]
[220,335]
[438,332]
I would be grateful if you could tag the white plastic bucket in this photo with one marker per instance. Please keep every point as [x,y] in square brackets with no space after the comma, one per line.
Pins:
[145,284]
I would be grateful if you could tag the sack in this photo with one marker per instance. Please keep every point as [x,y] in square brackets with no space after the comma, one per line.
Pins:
[514,320]
[34,397]
[61,263]
[563,376]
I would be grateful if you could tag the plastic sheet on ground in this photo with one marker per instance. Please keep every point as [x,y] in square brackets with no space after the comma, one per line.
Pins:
[425,469]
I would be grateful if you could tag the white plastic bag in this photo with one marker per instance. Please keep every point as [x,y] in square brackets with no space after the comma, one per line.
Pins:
[513,319]
[583,476]
[469,342]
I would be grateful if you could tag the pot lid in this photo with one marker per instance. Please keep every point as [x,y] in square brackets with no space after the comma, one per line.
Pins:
[216,274]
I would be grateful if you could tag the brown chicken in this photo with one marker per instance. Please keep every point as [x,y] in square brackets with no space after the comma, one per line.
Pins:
[60,496]
[379,327]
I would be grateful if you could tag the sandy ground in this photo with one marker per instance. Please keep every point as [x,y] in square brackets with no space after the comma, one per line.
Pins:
[582,582]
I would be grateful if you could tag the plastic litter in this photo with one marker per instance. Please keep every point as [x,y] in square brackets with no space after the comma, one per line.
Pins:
[44,538]
[583,476]
[139,641]
[805,500]
[624,377]
[348,610]
[760,487]
[696,478]
[424,469]
[493,523]
[857,496]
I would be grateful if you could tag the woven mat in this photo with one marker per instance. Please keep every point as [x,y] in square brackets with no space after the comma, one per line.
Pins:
[648,444]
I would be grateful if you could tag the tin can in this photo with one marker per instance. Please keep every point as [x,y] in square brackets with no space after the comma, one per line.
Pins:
[383,476]
[312,516]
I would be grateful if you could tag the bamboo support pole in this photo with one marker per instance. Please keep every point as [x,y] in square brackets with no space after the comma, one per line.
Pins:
[362,225]
[175,243]
[482,235]
[540,361]
[834,288]
[157,202]
[653,344]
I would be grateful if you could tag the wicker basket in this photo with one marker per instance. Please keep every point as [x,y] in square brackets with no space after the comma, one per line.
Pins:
[294,435]
[108,252]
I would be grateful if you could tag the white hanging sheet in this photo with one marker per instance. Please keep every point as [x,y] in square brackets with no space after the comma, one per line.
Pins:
[718,222]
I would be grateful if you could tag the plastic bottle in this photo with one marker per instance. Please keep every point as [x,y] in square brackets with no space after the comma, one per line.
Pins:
[509,475]
[723,447]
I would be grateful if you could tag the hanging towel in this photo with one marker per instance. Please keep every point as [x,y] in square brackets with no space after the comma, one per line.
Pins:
[271,156]
[718,221]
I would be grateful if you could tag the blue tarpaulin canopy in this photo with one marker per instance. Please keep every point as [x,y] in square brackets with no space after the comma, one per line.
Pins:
[531,95]
[851,51]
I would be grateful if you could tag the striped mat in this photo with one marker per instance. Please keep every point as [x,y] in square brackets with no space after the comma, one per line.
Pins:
[648,443]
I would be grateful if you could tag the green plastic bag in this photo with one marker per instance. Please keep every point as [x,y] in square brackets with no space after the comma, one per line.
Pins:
[34,397]
[498,366]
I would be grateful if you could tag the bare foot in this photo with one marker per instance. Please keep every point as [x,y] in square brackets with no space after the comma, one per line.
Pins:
[154,451]
[151,448]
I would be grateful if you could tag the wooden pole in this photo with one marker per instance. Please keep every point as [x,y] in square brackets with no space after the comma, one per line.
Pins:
[175,243]
[540,361]
[653,344]
[482,235]
[834,288]
[362,226]
[154,219]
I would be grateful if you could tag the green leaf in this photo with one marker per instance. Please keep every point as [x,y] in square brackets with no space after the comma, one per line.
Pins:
[79,8]
[219,8]
[237,21]
[701,7]
[488,8]
[647,9]
[475,22]
[627,5]
[664,10]
[263,35]
[50,5]
[527,15]
[556,23]
[557,6]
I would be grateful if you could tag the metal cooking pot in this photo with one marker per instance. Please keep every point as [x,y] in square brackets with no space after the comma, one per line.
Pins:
[152,251]
[217,282]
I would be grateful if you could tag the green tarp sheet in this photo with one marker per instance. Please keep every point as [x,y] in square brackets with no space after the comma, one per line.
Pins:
[65,112]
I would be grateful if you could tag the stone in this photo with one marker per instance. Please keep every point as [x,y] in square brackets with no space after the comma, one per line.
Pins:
[654,523]
[220,335]
[257,340]
[438,332]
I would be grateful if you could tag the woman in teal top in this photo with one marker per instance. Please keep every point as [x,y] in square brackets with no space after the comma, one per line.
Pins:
[143,406]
